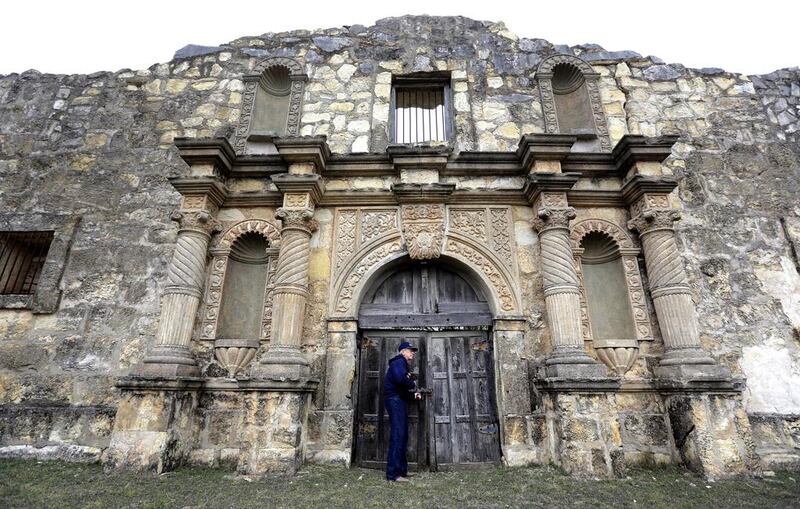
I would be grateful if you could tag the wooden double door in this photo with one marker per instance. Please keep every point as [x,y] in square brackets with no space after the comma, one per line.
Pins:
[456,425]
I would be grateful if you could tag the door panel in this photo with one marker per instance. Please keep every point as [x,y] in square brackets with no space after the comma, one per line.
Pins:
[372,425]
[465,424]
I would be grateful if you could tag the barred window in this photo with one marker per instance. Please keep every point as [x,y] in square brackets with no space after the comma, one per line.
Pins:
[22,256]
[421,111]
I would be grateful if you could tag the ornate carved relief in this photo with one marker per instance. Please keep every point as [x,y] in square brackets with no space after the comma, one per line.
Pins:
[295,200]
[208,329]
[587,226]
[470,222]
[198,220]
[548,105]
[375,257]
[650,201]
[599,116]
[550,218]
[345,237]
[480,262]
[243,128]
[423,230]
[501,235]
[375,223]
[267,229]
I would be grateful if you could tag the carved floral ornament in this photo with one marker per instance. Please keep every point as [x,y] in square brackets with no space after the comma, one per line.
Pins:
[196,220]
[266,229]
[423,230]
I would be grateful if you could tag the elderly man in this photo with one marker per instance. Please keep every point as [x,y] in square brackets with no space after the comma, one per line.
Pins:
[398,387]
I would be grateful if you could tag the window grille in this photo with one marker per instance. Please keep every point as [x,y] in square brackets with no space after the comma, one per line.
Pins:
[22,256]
[420,114]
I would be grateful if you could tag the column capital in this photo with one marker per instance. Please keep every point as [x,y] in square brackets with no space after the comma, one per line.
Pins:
[650,220]
[196,220]
[553,218]
[297,219]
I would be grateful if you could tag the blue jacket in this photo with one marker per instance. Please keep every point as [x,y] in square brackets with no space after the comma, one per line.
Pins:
[397,382]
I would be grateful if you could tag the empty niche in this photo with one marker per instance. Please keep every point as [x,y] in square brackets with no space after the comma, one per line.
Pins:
[271,105]
[571,102]
[242,304]
[606,289]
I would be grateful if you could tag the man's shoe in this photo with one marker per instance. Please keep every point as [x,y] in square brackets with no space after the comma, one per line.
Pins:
[399,479]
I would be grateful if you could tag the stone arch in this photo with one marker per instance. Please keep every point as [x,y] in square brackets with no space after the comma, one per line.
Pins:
[583,228]
[292,65]
[547,66]
[284,80]
[471,259]
[265,228]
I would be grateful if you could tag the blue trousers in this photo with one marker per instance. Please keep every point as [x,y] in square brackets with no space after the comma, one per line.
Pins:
[396,461]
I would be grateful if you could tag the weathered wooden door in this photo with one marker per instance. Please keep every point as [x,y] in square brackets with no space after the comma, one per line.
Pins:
[441,312]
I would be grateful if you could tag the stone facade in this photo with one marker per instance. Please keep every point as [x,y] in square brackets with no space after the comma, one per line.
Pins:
[118,356]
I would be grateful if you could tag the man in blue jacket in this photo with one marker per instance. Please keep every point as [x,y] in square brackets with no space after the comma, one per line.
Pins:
[398,387]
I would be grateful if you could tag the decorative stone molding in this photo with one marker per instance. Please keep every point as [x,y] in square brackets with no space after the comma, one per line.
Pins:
[544,77]
[618,354]
[344,299]
[266,229]
[423,230]
[235,355]
[478,261]
[295,91]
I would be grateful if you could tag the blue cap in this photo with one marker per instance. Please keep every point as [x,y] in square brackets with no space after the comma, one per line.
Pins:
[406,344]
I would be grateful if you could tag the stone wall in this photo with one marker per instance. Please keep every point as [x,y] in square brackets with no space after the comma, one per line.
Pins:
[99,147]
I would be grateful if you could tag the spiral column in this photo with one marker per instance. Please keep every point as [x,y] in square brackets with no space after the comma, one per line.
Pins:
[669,286]
[171,354]
[562,291]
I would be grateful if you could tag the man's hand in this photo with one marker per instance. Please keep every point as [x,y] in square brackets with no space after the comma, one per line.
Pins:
[417,395]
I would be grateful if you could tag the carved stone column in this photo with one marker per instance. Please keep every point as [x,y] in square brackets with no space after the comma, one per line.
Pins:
[171,355]
[302,188]
[561,284]
[669,288]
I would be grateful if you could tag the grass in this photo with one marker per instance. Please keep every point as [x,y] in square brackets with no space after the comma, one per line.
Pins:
[32,484]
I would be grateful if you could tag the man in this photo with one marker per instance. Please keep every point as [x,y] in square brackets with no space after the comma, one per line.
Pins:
[398,387]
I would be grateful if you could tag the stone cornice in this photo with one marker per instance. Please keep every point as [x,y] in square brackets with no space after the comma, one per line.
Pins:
[215,151]
[304,149]
[429,193]
[304,183]
[424,158]
[543,147]
[538,183]
[635,187]
[632,149]
[206,186]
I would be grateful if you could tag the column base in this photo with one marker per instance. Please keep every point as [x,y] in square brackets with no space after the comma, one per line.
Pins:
[692,372]
[165,361]
[573,363]
[282,361]
[683,356]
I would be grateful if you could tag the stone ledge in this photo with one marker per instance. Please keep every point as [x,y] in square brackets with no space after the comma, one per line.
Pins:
[71,453]
[200,384]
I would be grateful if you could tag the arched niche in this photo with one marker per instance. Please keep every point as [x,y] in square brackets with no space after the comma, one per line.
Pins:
[612,297]
[271,105]
[238,297]
[571,102]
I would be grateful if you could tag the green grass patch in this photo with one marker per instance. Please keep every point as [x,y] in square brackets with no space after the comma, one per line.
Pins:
[32,484]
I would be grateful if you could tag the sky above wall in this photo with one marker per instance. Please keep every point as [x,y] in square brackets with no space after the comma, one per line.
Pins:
[80,36]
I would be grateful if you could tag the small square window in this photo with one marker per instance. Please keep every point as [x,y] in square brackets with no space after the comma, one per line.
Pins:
[420,112]
[22,256]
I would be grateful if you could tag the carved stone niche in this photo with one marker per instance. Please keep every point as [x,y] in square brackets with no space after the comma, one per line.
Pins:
[271,105]
[238,298]
[571,102]
[613,312]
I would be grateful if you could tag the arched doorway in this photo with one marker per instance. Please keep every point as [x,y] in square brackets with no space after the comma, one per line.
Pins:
[438,308]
